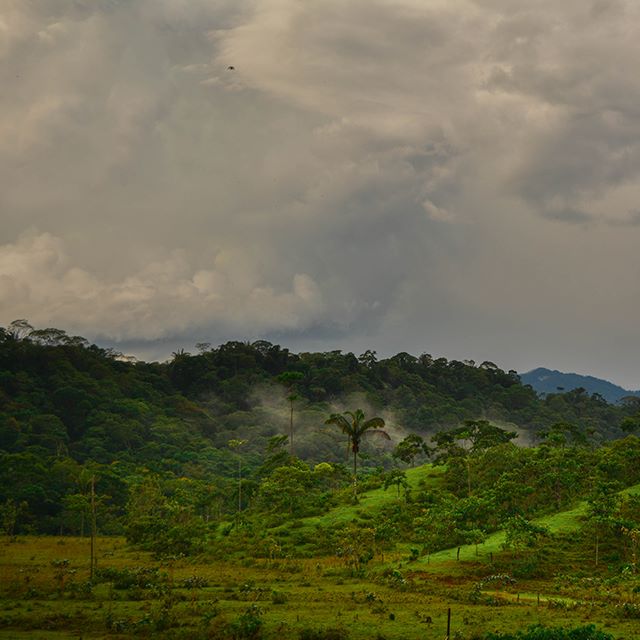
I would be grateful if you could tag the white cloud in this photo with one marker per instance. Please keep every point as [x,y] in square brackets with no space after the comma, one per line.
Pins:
[164,298]
[305,191]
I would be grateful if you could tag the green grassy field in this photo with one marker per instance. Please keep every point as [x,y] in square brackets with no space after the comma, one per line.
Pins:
[44,591]
[292,595]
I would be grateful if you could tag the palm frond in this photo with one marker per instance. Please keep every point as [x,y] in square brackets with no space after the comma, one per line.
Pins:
[340,421]
[374,423]
[379,432]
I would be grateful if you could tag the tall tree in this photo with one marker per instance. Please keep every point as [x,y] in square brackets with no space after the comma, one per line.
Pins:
[474,437]
[236,444]
[408,449]
[355,427]
[290,379]
[602,505]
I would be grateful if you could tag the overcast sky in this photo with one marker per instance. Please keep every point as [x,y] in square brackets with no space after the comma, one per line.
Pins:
[455,177]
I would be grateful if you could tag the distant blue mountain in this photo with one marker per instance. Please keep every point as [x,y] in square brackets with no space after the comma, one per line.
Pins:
[548,381]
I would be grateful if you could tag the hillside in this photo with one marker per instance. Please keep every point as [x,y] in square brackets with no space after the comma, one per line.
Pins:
[70,409]
[546,381]
[192,461]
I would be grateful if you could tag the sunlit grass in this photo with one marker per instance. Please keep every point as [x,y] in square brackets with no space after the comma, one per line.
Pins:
[317,592]
[423,477]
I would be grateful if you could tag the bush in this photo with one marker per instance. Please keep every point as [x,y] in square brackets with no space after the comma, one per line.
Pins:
[248,626]
[538,632]
[629,610]
[331,633]
[195,582]
[138,577]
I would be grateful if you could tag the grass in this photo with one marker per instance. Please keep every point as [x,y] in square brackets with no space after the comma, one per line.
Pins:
[425,476]
[314,592]
[562,522]
[318,594]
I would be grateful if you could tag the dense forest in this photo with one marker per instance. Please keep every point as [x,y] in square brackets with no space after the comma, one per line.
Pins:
[70,410]
[235,456]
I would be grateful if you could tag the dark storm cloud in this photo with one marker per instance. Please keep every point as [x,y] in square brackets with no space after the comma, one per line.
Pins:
[401,175]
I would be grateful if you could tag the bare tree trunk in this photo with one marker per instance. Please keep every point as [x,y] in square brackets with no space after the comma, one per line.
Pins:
[355,474]
[239,485]
[291,428]
[93,526]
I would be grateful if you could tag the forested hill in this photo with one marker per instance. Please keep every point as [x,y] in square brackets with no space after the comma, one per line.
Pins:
[551,381]
[60,393]
[66,405]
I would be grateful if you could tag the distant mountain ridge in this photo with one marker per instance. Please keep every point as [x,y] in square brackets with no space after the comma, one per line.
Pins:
[552,381]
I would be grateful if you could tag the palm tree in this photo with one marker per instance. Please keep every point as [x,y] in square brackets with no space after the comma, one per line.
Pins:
[355,427]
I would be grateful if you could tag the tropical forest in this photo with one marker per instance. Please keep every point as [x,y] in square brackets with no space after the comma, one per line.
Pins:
[247,492]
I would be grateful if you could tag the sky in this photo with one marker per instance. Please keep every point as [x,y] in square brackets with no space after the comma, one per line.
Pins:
[456,177]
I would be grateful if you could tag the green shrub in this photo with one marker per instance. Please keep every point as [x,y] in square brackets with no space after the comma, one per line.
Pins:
[247,626]
[331,633]
[195,582]
[538,632]
[138,577]
[629,610]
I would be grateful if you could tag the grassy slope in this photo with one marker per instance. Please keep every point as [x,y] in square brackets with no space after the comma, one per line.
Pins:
[561,522]
[370,501]
[428,476]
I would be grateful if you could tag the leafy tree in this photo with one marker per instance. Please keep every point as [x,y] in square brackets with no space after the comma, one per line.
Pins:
[474,437]
[276,455]
[411,447]
[356,546]
[10,513]
[631,424]
[236,444]
[521,534]
[633,536]
[161,516]
[602,505]
[560,434]
[397,478]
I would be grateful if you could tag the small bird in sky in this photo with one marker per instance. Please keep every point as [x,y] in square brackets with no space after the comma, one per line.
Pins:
[231,68]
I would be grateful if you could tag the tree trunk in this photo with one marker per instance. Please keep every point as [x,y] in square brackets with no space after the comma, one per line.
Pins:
[239,485]
[93,526]
[291,429]
[458,554]
[355,474]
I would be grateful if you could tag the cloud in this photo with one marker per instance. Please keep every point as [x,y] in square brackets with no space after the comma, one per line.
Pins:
[402,174]
[39,282]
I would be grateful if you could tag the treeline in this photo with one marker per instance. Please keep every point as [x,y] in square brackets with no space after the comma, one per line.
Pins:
[70,410]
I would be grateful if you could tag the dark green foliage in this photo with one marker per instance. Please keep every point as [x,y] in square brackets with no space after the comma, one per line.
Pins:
[553,633]
[128,578]
[412,447]
[335,633]
[248,626]
[70,410]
